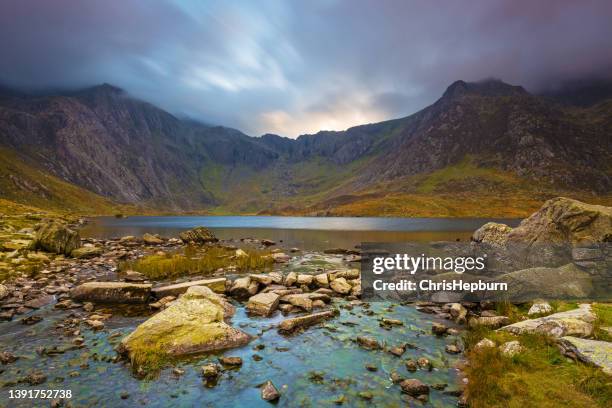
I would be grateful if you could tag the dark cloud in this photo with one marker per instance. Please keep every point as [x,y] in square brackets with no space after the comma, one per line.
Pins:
[295,67]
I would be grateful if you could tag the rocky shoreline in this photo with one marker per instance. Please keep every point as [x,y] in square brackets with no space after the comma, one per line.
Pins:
[81,282]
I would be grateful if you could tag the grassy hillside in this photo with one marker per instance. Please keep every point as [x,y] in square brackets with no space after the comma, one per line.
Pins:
[23,187]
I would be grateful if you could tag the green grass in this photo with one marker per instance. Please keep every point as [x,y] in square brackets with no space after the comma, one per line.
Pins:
[539,377]
[603,311]
[24,183]
[197,262]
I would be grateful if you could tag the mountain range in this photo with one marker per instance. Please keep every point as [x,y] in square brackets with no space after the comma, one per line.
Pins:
[483,149]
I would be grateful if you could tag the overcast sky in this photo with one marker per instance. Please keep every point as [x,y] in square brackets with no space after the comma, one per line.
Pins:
[294,67]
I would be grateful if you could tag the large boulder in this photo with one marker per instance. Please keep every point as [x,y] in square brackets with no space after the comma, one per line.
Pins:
[564,220]
[598,353]
[192,324]
[576,322]
[492,233]
[111,292]
[57,238]
[198,235]
[568,281]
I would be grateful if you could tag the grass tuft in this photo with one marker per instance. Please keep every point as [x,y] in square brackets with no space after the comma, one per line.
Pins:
[193,261]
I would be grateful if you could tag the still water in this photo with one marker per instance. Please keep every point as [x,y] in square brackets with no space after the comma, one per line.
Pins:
[309,233]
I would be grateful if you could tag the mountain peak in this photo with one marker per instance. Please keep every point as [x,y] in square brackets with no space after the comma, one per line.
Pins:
[104,89]
[487,87]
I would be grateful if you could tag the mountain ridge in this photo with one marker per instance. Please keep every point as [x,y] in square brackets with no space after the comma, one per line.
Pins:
[131,152]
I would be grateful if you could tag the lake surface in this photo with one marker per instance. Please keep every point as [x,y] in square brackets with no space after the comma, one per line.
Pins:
[312,233]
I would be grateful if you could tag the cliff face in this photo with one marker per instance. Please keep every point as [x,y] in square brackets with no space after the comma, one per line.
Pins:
[129,151]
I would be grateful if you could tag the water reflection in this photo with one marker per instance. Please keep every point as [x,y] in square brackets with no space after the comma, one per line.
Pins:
[303,232]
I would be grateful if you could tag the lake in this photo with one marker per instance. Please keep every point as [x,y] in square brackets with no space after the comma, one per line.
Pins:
[311,233]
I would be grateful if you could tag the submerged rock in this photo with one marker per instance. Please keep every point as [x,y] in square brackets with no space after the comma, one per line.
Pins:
[198,235]
[289,326]
[414,387]
[112,292]
[57,238]
[191,324]
[369,343]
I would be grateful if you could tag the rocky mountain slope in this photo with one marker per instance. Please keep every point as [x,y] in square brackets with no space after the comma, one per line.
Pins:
[480,141]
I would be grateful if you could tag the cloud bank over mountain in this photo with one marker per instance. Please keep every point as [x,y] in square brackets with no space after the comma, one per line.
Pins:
[299,67]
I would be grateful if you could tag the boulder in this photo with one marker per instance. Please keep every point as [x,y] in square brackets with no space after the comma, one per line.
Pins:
[277,278]
[567,281]
[484,343]
[458,312]
[290,279]
[539,308]
[301,300]
[581,254]
[576,323]
[304,279]
[289,326]
[111,292]
[4,292]
[133,276]
[269,392]
[492,322]
[511,348]
[438,329]
[595,352]
[369,343]
[321,280]
[217,285]
[243,288]
[414,387]
[261,278]
[150,239]
[562,220]
[493,234]
[194,323]
[263,304]
[280,257]
[341,286]
[57,238]
[231,361]
[86,252]
[198,235]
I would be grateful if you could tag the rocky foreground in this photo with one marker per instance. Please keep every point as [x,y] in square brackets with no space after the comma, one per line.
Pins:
[52,266]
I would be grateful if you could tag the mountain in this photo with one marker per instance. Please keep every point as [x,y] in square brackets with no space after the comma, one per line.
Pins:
[485,148]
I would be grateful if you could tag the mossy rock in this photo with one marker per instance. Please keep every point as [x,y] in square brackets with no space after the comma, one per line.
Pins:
[57,238]
[198,235]
[86,252]
[192,324]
